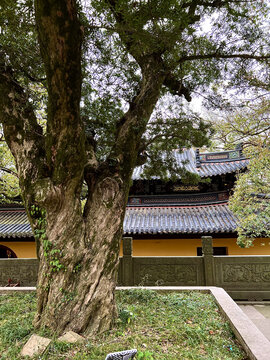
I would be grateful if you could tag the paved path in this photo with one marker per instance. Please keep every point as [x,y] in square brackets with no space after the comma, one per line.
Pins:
[260,316]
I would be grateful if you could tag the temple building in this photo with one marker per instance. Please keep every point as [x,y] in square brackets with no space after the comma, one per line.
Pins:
[164,219]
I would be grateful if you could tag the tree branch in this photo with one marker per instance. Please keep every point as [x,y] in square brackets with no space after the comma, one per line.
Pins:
[133,124]
[222,56]
[65,143]
[9,171]
[215,3]
[22,133]
[177,87]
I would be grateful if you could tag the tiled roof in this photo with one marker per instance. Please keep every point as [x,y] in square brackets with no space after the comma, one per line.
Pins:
[145,220]
[179,220]
[14,224]
[209,164]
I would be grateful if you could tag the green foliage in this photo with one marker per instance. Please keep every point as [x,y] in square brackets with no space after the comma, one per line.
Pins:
[251,199]
[9,183]
[138,57]
[67,296]
[167,326]
[126,316]
[16,315]
[52,255]
[249,126]
[166,133]
[18,39]
[194,43]
[170,29]
[77,268]
[145,355]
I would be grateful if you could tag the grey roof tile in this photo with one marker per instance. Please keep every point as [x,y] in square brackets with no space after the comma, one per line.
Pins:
[145,220]
[192,219]
[14,224]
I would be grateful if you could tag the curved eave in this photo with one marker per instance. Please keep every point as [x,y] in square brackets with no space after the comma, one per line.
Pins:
[14,224]
[187,159]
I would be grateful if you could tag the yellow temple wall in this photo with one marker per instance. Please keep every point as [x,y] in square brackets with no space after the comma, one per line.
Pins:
[160,247]
[188,247]
[22,249]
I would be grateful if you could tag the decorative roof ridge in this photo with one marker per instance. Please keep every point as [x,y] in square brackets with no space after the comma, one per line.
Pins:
[12,210]
[177,206]
[219,161]
[204,164]
[180,194]
[181,199]
[11,206]
[220,156]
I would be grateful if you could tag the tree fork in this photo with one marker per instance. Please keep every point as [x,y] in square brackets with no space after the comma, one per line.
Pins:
[78,275]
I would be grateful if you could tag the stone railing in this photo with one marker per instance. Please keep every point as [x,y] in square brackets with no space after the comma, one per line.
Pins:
[22,271]
[243,277]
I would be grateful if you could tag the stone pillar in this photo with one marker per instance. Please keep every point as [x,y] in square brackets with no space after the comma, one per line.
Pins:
[127,263]
[208,260]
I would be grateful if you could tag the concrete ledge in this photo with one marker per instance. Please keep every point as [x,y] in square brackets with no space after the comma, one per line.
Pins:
[250,337]
[14,290]
[252,340]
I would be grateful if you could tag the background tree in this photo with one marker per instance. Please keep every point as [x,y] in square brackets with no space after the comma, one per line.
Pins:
[108,67]
[250,201]
[9,184]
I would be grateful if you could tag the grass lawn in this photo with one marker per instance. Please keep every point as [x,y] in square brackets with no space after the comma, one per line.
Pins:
[162,327]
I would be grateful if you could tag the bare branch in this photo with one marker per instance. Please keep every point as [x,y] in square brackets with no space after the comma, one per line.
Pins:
[216,3]
[9,171]
[222,56]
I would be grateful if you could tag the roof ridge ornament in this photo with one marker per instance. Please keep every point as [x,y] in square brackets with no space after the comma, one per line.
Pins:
[198,160]
[239,147]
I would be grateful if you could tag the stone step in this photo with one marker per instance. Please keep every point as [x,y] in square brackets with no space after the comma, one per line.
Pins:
[251,312]
[263,309]
[264,326]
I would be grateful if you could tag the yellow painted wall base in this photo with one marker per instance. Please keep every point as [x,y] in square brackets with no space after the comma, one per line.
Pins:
[160,247]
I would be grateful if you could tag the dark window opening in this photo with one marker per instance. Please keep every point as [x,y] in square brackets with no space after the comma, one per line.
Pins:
[6,252]
[217,251]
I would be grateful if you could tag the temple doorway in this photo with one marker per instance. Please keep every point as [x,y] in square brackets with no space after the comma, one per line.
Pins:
[6,252]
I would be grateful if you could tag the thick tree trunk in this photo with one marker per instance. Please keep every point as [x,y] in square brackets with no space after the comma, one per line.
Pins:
[78,251]
[78,267]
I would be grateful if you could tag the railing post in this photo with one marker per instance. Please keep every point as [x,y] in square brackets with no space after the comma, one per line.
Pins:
[208,260]
[127,267]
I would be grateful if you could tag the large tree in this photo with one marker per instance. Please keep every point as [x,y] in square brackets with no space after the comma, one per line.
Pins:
[9,185]
[106,66]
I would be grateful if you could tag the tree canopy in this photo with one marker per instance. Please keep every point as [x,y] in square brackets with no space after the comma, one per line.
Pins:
[116,77]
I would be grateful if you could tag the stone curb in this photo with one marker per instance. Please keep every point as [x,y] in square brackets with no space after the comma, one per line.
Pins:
[12,290]
[252,340]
